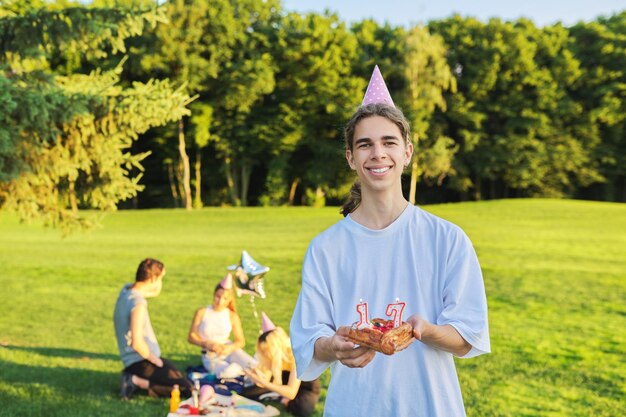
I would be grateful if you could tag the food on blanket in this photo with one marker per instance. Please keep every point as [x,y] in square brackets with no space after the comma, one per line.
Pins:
[187,409]
[382,336]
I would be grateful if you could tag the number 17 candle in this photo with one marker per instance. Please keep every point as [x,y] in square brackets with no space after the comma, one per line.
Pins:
[394,310]
[361,308]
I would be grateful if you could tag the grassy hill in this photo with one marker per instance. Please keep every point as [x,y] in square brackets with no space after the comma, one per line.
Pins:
[555,275]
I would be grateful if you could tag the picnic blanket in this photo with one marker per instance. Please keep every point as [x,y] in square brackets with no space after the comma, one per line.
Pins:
[241,407]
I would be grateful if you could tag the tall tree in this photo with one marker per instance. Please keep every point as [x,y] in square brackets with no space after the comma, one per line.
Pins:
[220,50]
[192,47]
[601,48]
[516,120]
[427,76]
[67,136]
[557,118]
[314,97]
[247,79]
[416,71]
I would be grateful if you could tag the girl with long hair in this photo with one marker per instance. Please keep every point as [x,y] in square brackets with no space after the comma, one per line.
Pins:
[211,329]
[276,372]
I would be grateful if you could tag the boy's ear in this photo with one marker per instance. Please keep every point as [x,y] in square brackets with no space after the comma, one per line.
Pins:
[409,152]
[349,158]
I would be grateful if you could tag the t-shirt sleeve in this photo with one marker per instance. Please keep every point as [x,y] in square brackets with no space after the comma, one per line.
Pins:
[135,300]
[312,318]
[464,299]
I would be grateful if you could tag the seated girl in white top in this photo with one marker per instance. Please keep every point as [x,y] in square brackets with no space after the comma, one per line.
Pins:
[211,329]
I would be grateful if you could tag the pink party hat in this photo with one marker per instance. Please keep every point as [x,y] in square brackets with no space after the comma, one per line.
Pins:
[377,90]
[227,282]
[266,323]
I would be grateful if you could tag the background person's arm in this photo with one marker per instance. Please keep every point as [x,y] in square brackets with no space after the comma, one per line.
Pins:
[239,341]
[137,317]
[290,390]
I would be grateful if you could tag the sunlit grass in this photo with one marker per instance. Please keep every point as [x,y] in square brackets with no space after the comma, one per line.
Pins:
[555,274]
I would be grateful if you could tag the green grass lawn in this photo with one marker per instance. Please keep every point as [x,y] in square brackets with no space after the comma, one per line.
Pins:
[555,274]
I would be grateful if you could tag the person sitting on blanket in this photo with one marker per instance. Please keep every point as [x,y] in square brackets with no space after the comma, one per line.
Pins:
[276,372]
[211,328]
[143,365]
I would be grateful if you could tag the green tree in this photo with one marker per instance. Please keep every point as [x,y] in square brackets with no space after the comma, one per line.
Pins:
[556,118]
[189,49]
[201,120]
[67,137]
[417,74]
[515,116]
[242,134]
[601,48]
[384,46]
[427,75]
[476,51]
[220,50]
[314,96]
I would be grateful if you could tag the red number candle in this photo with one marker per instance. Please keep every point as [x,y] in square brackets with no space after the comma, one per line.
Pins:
[361,308]
[394,311]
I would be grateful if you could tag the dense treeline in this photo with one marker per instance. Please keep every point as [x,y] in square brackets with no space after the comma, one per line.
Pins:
[251,101]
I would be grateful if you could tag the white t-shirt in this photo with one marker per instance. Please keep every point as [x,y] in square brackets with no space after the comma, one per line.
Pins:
[215,325]
[426,262]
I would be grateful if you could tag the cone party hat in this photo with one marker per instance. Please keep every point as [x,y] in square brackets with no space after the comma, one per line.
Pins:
[377,91]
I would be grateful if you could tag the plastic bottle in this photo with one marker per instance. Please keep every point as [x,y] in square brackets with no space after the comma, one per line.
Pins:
[174,399]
